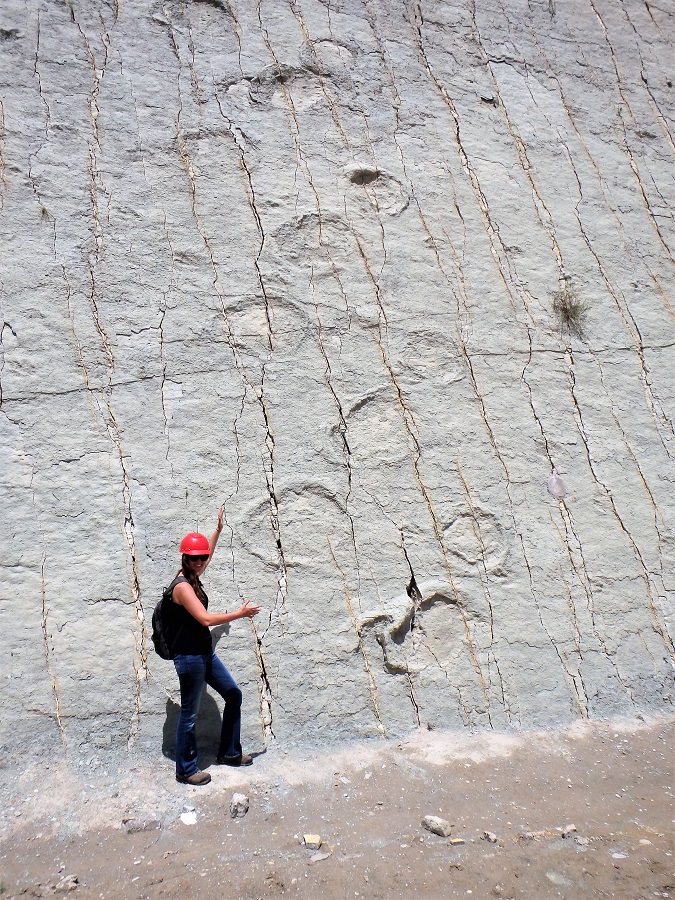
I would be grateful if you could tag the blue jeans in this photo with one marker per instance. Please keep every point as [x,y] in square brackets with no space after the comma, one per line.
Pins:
[193,671]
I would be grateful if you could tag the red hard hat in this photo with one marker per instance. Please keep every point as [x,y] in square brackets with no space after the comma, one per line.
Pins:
[195,544]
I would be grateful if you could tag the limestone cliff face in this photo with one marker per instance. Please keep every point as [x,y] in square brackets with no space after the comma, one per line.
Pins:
[299,258]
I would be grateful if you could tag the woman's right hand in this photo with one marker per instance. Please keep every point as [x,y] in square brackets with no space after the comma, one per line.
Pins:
[247,610]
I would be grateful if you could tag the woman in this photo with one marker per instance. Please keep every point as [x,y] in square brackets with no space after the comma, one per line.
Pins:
[196,662]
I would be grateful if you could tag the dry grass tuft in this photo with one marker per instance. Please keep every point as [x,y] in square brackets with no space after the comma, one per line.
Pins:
[570,310]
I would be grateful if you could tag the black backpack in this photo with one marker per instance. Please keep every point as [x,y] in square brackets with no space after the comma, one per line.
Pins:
[163,636]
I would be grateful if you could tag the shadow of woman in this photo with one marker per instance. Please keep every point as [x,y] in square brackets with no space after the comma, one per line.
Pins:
[208,729]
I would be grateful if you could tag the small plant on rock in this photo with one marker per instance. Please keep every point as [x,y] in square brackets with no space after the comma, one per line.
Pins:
[570,310]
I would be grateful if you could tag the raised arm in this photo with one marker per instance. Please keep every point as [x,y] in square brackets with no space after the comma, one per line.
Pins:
[184,595]
[216,534]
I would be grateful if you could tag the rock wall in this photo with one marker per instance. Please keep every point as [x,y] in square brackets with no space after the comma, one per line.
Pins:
[299,258]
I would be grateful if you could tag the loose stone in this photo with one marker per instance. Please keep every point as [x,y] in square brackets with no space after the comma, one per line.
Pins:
[238,806]
[436,825]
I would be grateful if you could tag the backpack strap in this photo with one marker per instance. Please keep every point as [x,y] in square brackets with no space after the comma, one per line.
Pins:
[177,580]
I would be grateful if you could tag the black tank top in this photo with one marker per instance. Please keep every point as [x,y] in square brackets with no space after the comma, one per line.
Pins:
[188,635]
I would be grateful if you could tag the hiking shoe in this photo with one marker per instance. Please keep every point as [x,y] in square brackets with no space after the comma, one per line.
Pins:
[197,778]
[243,760]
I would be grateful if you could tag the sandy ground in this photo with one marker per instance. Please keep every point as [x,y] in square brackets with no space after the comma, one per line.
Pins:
[63,831]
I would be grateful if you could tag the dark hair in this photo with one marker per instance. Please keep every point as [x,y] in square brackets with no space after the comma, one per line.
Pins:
[193,581]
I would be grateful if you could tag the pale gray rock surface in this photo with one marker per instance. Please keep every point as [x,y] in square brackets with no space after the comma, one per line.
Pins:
[299,258]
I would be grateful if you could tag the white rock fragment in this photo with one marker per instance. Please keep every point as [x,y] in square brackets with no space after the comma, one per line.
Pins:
[312,841]
[556,487]
[568,830]
[189,818]
[318,857]
[489,836]
[238,806]
[436,825]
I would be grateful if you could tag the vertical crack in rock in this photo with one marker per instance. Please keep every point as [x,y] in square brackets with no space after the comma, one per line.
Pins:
[160,331]
[581,572]
[660,628]
[563,509]
[47,649]
[572,679]
[629,152]
[240,413]
[505,700]
[282,580]
[294,130]
[361,644]
[265,690]
[3,180]
[655,509]
[482,568]
[332,108]
[231,540]
[413,698]
[238,141]
[140,634]
[45,215]
[112,426]
[188,167]
[185,158]
[656,109]
[481,404]
[5,324]
[412,588]
[228,8]
[36,72]
[193,72]
[341,429]
[417,633]
[172,280]
[265,695]
[542,210]
[81,361]
[497,247]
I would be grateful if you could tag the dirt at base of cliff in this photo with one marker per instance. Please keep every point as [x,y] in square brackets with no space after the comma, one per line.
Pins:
[584,811]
